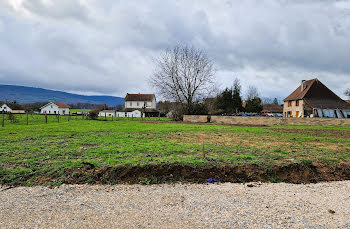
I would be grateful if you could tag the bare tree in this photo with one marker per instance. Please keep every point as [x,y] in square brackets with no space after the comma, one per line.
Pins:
[252,92]
[184,75]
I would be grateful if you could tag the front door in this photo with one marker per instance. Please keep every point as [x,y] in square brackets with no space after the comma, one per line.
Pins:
[297,114]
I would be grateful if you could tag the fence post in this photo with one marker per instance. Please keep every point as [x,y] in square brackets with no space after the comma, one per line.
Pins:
[27,117]
[58,118]
[3,119]
[159,116]
[45,118]
[105,116]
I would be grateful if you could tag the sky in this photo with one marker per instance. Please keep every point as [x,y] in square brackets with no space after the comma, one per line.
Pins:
[110,46]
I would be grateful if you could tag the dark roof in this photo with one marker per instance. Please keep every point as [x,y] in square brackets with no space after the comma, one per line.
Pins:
[317,95]
[298,93]
[139,97]
[61,105]
[13,106]
[272,108]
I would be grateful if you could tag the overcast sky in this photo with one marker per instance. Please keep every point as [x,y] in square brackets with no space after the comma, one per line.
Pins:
[109,46]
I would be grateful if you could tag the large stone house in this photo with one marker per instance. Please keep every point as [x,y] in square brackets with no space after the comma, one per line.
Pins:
[55,108]
[313,99]
[145,103]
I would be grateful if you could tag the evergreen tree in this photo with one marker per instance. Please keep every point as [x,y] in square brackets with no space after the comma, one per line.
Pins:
[230,100]
[275,101]
[236,97]
[254,105]
[254,102]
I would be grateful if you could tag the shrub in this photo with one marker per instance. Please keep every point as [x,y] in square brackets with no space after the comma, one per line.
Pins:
[93,115]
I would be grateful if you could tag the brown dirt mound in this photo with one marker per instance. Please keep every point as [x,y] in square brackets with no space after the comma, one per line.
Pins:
[292,173]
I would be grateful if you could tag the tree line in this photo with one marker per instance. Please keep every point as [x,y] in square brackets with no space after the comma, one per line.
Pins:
[185,77]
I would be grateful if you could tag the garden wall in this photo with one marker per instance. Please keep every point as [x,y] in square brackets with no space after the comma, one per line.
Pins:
[268,121]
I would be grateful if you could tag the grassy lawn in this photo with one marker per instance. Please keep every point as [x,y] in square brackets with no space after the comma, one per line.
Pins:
[39,148]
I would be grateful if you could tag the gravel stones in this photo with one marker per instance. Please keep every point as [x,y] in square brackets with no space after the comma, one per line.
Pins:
[226,205]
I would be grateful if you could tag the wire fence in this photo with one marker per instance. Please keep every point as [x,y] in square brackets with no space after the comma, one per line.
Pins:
[8,119]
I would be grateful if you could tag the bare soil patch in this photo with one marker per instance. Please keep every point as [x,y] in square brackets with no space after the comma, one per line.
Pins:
[316,132]
[292,173]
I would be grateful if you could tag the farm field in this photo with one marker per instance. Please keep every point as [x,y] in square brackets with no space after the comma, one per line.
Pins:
[152,151]
[76,110]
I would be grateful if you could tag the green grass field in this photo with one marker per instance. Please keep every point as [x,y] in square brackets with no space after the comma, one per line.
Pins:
[76,110]
[39,148]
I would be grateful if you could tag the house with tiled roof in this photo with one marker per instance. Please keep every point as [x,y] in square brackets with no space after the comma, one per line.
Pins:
[55,108]
[313,99]
[145,103]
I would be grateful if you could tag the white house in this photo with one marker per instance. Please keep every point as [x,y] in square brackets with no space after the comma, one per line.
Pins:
[5,108]
[55,108]
[144,103]
[107,113]
[132,114]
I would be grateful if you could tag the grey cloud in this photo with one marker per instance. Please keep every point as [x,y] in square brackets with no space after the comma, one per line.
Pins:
[109,47]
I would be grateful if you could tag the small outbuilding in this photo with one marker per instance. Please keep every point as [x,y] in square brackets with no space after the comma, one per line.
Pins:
[107,113]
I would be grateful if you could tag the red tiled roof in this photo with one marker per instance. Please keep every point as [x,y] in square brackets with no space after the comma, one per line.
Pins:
[272,108]
[298,93]
[317,95]
[348,101]
[139,97]
[61,105]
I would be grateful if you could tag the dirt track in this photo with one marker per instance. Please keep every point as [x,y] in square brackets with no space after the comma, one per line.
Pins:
[225,205]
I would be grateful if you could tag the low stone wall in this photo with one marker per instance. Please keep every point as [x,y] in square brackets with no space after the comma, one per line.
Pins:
[268,121]
[196,118]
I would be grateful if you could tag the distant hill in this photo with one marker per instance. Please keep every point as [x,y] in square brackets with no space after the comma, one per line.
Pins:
[24,95]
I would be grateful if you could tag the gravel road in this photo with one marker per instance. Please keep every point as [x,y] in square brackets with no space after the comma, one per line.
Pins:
[227,205]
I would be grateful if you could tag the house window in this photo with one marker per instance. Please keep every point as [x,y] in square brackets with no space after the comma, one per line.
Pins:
[137,104]
[297,103]
[146,104]
[289,103]
[51,106]
[130,103]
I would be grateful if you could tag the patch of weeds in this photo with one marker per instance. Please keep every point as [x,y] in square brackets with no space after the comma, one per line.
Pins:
[114,181]
[306,160]
[241,180]
[148,181]
[74,174]
[57,183]
[144,181]
[274,180]
[331,160]
[90,179]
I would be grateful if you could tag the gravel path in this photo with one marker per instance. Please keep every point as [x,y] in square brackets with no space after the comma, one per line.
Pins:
[323,205]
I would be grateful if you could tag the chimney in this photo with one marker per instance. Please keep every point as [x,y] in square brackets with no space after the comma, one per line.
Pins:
[303,85]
